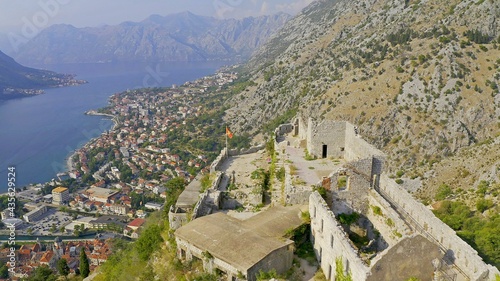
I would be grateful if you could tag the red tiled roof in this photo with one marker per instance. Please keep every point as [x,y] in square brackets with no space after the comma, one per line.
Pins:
[136,223]
[47,256]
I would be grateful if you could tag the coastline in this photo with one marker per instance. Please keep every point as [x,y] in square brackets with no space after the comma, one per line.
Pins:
[70,166]
[113,117]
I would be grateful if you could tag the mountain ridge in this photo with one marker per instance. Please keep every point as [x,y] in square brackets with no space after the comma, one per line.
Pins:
[388,66]
[178,37]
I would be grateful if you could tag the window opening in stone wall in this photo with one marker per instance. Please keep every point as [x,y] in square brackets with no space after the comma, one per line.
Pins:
[320,254]
[329,277]
[342,148]
[321,226]
[342,182]
[331,241]
[325,151]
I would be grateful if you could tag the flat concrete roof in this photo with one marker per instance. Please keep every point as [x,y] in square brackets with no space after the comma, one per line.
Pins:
[242,243]
[101,192]
[191,194]
[59,189]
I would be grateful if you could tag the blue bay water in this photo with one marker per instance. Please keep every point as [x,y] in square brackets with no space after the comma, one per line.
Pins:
[37,134]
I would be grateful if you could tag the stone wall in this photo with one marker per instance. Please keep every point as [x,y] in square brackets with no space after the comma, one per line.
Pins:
[283,129]
[356,147]
[218,161]
[331,242]
[253,149]
[176,218]
[354,196]
[326,134]
[209,265]
[295,195]
[197,211]
[210,198]
[281,260]
[301,128]
[381,221]
[464,256]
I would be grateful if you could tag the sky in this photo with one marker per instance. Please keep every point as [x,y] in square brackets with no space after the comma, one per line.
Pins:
[19,16]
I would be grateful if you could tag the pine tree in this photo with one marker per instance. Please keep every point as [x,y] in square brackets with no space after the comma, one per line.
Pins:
[62,267]
[84,263]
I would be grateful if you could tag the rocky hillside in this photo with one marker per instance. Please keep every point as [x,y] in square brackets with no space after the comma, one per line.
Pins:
[178,37]
[19,81]
[419,77]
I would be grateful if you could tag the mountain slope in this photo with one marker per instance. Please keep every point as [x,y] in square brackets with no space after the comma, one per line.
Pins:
[17,80]
[420,78]
[178,37]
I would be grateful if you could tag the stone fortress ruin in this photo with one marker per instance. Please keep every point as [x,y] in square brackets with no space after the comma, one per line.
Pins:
[371,226]
[366,226]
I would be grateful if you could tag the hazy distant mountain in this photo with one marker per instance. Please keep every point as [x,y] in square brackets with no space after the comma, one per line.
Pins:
[5,45]
[18,81]
[178,37]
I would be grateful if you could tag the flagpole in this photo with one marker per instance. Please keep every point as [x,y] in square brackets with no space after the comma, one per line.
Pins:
[227,151]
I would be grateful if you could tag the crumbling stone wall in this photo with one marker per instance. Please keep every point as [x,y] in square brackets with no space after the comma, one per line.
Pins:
[354,196]
[463,255]
[331,242]
[177,218]
[283,129]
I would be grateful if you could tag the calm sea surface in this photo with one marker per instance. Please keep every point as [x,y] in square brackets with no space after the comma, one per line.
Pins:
[37,134]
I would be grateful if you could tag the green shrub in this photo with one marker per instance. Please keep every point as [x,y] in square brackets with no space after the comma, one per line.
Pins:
[483,205]
[443,192]
[348,219]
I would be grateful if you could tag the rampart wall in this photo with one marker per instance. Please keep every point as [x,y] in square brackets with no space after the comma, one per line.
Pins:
[253,149]
[331,242]
[461,253]
[356,147]
[218,161]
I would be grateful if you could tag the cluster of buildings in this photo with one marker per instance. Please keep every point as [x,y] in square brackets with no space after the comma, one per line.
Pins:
[31,256]
[139,143]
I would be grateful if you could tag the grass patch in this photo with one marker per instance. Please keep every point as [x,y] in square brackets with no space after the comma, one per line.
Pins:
[348,219]
[377,210]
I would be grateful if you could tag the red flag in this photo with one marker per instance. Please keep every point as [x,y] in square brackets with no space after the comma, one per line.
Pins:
[229,133]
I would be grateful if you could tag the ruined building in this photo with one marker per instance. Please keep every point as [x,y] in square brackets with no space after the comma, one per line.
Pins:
[385,234]
[367,226]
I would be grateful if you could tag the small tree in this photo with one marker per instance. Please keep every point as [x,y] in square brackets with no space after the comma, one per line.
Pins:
[62,267]
[84,263]
[4,272]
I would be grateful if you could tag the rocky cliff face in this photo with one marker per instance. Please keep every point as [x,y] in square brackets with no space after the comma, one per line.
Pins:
[419,78]
[179,37]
